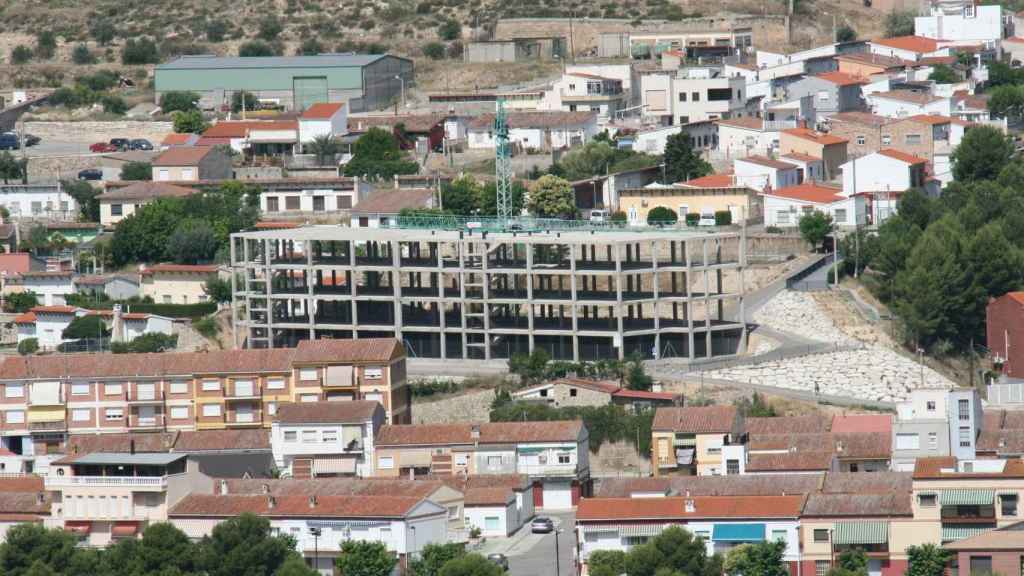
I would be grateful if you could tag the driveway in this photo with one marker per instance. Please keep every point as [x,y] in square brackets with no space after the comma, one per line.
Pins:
[534,554]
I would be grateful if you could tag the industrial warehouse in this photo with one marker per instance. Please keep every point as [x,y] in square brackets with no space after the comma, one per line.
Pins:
[365,81]
[470,294]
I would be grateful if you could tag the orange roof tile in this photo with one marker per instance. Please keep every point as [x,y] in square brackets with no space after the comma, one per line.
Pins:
[696,419]
[240,129]
[605,509]
[790,462]
[354,412]
[180,268]
[902,156]
[489,433]
[813,136]
[26,318]
[929,119]
[230,505]
[184,156]
[322,110]
[710,181]
[841,79]
[917,44]
[748,122]
[767,162]
[808,192]
[177,139]
[862,423]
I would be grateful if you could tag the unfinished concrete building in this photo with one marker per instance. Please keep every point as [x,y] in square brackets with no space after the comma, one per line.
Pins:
[580,295]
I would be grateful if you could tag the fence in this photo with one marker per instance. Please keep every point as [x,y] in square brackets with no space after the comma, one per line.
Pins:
[782,353]
[803,283]
[530,224]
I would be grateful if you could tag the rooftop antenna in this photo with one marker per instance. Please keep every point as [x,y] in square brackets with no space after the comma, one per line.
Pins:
[502,164]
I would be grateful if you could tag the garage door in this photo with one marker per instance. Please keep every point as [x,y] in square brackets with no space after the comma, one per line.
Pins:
[309,90]
[557,495]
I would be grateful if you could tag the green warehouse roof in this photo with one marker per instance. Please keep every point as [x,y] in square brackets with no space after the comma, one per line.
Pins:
[318,61]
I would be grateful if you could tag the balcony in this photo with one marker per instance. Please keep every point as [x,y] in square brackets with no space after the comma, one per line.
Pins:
[242,392]
[48,426]
[145,396]
[969,514]
[137,422]
[547,469]
[241,420]
[157,482]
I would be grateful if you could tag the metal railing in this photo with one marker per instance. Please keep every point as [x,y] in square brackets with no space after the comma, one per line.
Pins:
[154,481]
[547,469]
[531,224]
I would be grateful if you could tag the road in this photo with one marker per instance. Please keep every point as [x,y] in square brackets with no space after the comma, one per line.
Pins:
[534,554]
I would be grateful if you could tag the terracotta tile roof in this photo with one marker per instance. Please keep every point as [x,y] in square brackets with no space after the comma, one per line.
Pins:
[745,485]
[696,419]
[180,269]
[213,141]
[97,280]
[862,423]
[352,412]
[902,156]
[1002,539]
[799,442]
[25,483]
[1014,39]
[54,309]
[412,123]
[393,201]
[26,318]
[831,505]
[610,509]
[35,502]
[589,76]
[490,433]
[496,496]
[177,139]
[820,138]
[919,98]
[347,351]
[862,445]
[790,462]
[337,487]
[270,225]
[786,425]
[322,110]
[932,469]
[917,44]
[933,60]
[215,505]
[767,162]
[605,386]
[645,395]
[241,129]
[121,442]
[862,118]
[711,181]
[748,122]
[873,483]
[223,440]
[931,119]
[1013,420]
[880,60]
[800,157]
[47,273]
[976,101]
[185,156]
[145,191]
[841,78]
[535,119]
[808,192]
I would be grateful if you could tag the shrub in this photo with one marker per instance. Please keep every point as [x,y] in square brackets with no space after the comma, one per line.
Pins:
[309,47]
[449,30]
[270,27]
[191,122]
[102,31]
[141,51]
[661,215]
[179,101]
[100,81]
[618,216]
[81,55]
[137,171]
[114,105]
[208,327]
[21,55]
[723,218]
[250,101]
[455,50]
[434,50]
[773,230]
[692,218]
[46,45]
[215,30]
[28,346]
[255,48]
[149,342]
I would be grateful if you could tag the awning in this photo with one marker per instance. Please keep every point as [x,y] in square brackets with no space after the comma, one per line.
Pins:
[738,533]
[861,533]
[966,497]
[641,530]
[951,533]
[336,465]
[78,527]
[124,529]
[592,528]
[684,456]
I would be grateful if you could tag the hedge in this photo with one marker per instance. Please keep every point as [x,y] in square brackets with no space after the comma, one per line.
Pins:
[197,310]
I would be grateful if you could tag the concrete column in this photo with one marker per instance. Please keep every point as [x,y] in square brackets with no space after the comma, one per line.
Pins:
[310,296]
[461,271]
[657,307]
[234,294]
[268,290]
[618,301]
[572,299]
[485,277]
[352,285]
[707,302]
[442,301]
[396,286]
[529,293]
[688,307]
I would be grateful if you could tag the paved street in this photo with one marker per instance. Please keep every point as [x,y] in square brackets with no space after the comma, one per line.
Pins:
[534,554]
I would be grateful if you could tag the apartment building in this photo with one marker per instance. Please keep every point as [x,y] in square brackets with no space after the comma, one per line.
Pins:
[744,136]
[106,496]
[481,295]
[936,422]
[50,286]
[324,439]
[554,455]
[191,164]
[696,440]
[692,95]
[829,92]
[831,149]
[586,92]
[118,203]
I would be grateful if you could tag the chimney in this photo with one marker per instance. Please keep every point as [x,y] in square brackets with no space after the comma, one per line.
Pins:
[271,502]
[312,501]
[474,431]
[266,488]
[689,505]
[223,487]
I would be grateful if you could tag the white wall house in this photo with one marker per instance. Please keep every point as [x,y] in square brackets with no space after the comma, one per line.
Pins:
[326,439]
[808,167]
[323,119]
[498,512]
[536,130]
[784,207]
[885,171]
[43,201]
[740,137]
[760,172]
[50,288]
[972,23]
[47,323]
[909,48]
[904,103]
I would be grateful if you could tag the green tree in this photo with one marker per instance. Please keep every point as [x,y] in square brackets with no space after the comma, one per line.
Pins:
[20,302]
[661,215]
[981,154]
[243,545]
[850,563]
[551,197]
[309,47]
[434,50]
[530,368]
[248,99]
[942,74]
[471,565]
[674,550]
[460,196]
[449,30]
[434,556]
[361,558]
[487,198]
[606,563]
[46,44]
[815,227]
[147,343]
[113,104]
[927,560]
[28,544]
[256,48]
[28,346]
[141,51]
[12,168]
[1007,101]
[137,171]
[324,147]
[593,159]
[179,101]
[102,30]
[193,241]
[163,549]
[899,24]
[81,55]
[846,33]
[755,406]
[82,327]
[269,28]
[85,195]
[681,162]
[760,559]
[142,237]
[295,566]
[377,155]
[215,30]
[191,122]
[37,240]
[21,55]
[218,290]
[636,377]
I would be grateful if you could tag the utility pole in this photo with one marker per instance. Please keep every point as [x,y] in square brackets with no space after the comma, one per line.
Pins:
[572,41]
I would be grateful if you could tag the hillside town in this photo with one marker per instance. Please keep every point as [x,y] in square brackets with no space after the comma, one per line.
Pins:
[691,295]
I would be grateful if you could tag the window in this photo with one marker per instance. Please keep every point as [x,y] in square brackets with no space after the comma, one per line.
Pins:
[211,385]
[291,203]
[272,408]
[821,535]
[80,415]
[964,409]
[930,406]
[682,96]
[908,442]
[344,202]
[1009,504]
[179,412]
[275,384]
[116,210]
[329,435]
[695,96]
[969,13]
[308,374]
[544,393]
[822,567]
[704,534]
[572,392]
[179,387]
[318,204]
[491,523]
[211,410]
[732,466]
[373,373]
[453,512]
[272,205]
[187,174]
[113,389]
[37,207]
[823,96]
[839,215]
[79,389]
[493,461]
[981,565]
[719,94]
[634,540]
[782,217]
[164,174]
[15,417]
[684,119]
[15,391]
[461,460]
[965,437]
[167,299]
[779,536]
[683,211]
[291,436]
[861,140]
[309,398]
[565,458]
[309,436]
[114,413]
[386,462]
[886,139]
[927,500]
[933,441]
[912,139]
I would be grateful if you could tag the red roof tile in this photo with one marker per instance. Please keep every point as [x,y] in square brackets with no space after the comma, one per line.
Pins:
[862,423]
[322,110]
[711,181]
[767,162]
[786,425]
[180,269]
[346,351]
[351,412]
[748,122]
[879,60]
[841,79]
[419,488]
[216,505]
[26,318]
[808,192]
[184,156]
[919,98]
[902,156]
[790,462]
[696,419]
[608,509]
[834,505]
[241,129]
[489,433]
[917,44]
[929,119]
[820,138]
[223,440]
[177,139]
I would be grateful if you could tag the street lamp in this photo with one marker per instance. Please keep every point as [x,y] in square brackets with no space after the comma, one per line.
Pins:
[558,564]
[402,80]
[315,532]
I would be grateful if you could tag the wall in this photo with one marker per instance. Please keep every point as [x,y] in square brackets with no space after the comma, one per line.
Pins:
[709,454]
[985,26]
[174,288]
[695,203]
[89,132]
[567,395]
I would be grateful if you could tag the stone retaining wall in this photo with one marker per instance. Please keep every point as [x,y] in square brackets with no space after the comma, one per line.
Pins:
[89,132]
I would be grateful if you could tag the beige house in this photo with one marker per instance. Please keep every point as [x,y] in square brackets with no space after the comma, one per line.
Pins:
[177,283]
[831,149]
[116,204]
[188,164]
[691,440]
[703,196]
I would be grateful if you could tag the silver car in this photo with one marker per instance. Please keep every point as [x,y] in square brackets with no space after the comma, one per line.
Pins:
[542,525]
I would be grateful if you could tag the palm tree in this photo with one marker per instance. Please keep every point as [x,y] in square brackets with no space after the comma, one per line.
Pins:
[323,147]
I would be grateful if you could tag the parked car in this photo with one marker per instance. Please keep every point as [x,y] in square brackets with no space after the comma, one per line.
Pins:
[32,139]
[100,147]
[140,144]
[90,174]
[499,560]
[120,143]
[542,525]
[9,142]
